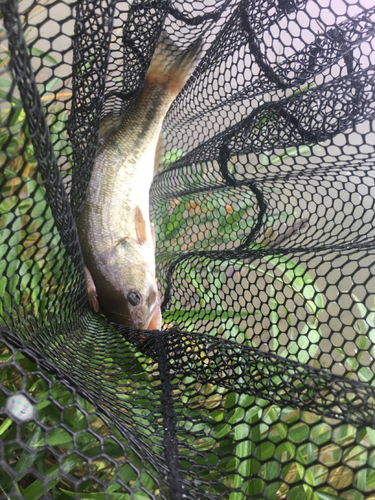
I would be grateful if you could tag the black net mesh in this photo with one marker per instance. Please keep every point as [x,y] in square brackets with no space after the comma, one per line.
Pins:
[261,383]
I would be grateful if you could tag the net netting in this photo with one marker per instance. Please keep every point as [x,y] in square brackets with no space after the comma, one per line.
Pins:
[261,383]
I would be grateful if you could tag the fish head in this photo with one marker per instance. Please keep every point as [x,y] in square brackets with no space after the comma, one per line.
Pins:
[125,281]
[130,295]
[142,295]
[143,303]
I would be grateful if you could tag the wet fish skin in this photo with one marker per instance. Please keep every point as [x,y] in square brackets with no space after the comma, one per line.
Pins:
[117,238]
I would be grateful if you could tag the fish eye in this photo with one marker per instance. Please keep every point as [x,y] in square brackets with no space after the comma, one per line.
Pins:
[134,297]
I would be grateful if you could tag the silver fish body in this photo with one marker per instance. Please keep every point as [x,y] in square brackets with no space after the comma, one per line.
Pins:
[117,238]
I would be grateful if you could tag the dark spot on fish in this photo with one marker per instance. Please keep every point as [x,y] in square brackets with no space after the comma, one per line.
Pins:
[134,297]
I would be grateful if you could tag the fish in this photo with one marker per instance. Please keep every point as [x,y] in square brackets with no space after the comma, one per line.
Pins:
[116,235]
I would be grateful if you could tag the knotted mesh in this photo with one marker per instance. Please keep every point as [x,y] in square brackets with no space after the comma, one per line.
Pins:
[261,383]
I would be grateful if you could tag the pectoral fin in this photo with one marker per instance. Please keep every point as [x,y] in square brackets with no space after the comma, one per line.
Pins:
[140,226]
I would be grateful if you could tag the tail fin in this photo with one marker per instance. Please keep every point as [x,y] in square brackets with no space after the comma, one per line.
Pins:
[171,67]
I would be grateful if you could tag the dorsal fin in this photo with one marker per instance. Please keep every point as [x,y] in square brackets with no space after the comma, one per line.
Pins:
[140,226]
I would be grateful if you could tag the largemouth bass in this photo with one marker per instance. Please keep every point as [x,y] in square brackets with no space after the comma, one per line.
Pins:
[117,238]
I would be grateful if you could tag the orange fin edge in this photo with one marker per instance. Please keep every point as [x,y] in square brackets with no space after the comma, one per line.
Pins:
[140,226]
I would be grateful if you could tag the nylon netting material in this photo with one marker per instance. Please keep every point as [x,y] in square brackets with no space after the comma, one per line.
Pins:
[261,384]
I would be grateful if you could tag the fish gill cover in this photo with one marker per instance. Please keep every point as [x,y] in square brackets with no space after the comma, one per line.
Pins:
[261,383]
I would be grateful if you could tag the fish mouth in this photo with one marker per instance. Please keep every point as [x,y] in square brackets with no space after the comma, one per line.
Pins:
[153,320]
